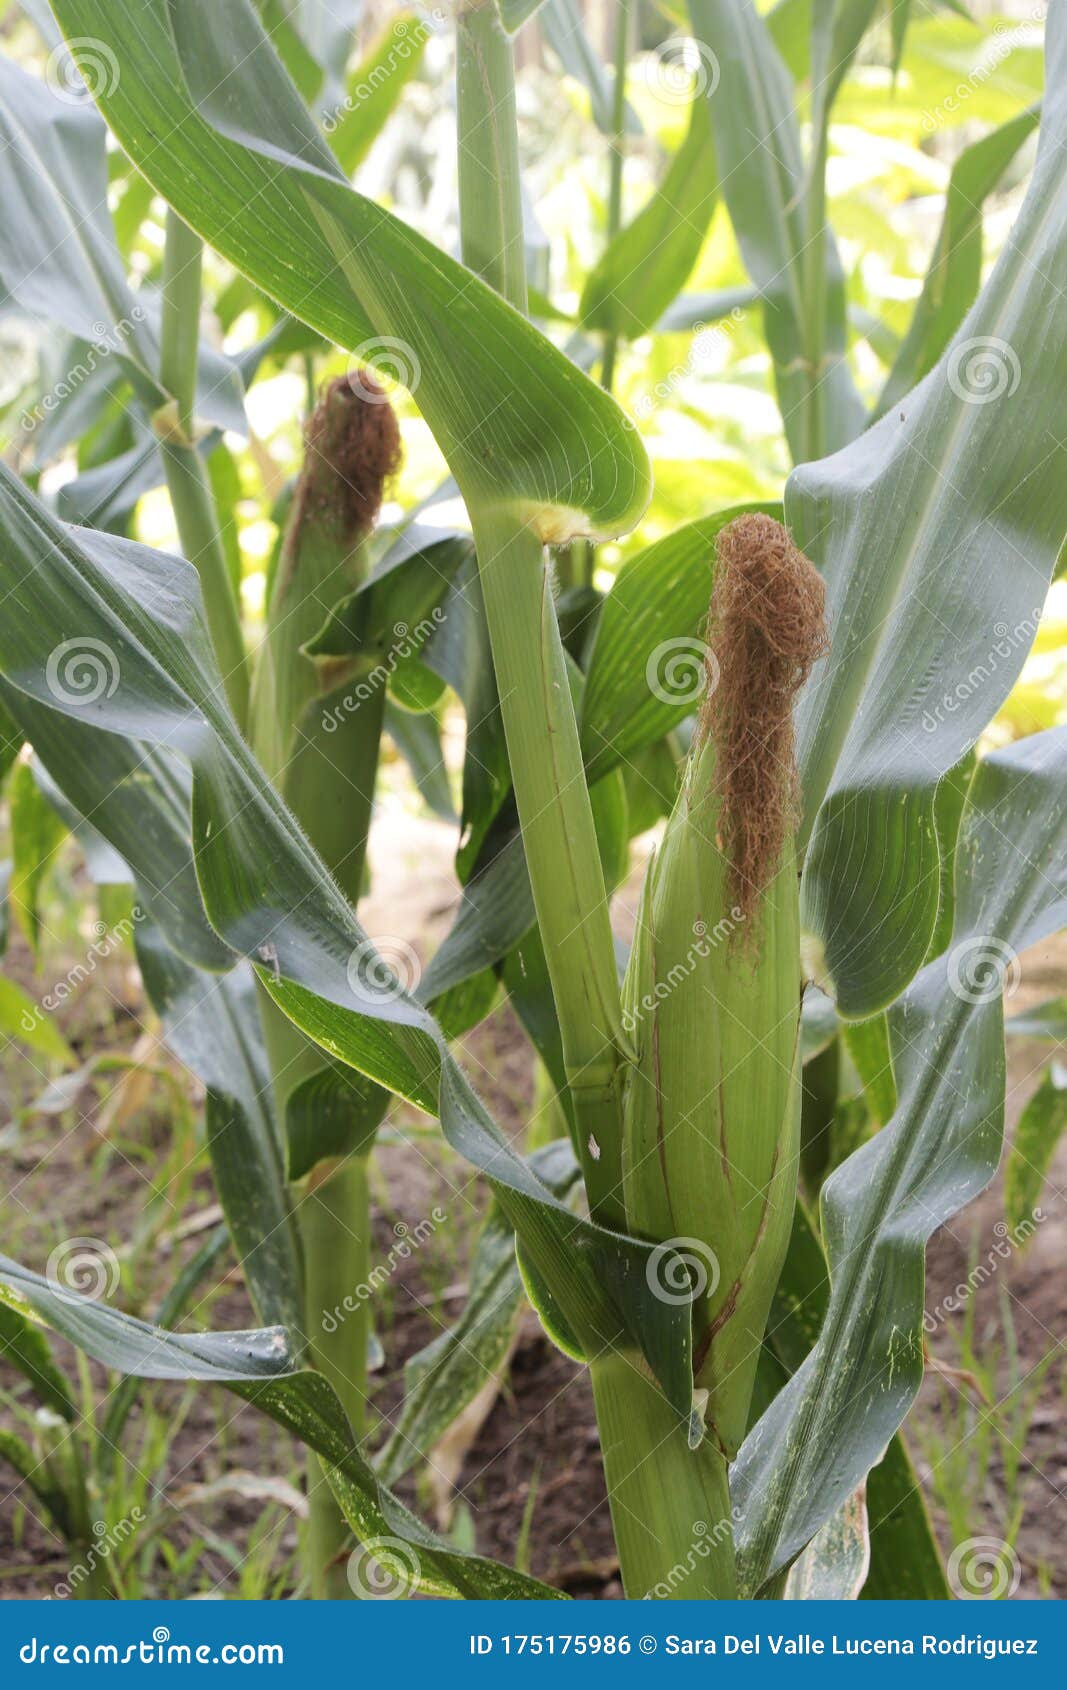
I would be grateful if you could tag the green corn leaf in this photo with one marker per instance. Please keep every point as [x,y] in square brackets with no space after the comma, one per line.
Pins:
[649,261]
[440,1380]
[332,1113]
[938,533]
[35,1473]
[58,255]
[418,740]
[246,168]
[1047,1021]
[952,281]
[827,1427]
[561,24]
[932,592]
[374,87]
[182,1290]
[211,1023]
[425,592]
[24,1346]
[36,835]
[1040,1128]
[134,1346]
[905,1562]
[700,310]
[867,1043]
[23,1021]
[136,795]
[757,139]
[899,17]
[514,13]
[328,29]
[258,1366]
[949,799]
[496,911]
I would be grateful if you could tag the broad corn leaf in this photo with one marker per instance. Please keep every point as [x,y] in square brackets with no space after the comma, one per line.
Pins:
[259,1366]
[830,1424]
[937,532]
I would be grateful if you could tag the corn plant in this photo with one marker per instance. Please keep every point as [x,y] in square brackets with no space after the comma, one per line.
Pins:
[834,878]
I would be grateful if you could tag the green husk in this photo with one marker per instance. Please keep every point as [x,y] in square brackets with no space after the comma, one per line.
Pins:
[711,1003]
[711,1135]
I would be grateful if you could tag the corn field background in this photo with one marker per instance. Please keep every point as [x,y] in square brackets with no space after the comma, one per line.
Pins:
[534,992]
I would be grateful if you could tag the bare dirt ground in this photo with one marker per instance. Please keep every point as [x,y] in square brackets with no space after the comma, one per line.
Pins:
[535,1459]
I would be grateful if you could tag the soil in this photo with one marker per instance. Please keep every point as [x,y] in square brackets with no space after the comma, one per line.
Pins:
[535,1459]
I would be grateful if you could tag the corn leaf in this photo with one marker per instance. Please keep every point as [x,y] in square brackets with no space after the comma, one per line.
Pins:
[36,835]
[560,22]
[905,1562]
[211,1023]
[830,1424]
[441,1379]
[24,1346]
[258,1366]
[136,795]
[1040,1128]
[1047,1021]
[514,13]
[952,281]
[650,260]
[35,1473]
[24,1021]
[766,189]
[937,532]
[375,86]
[58,255]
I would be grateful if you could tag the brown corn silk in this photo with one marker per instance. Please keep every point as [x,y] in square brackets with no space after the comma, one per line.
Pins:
[766,630]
